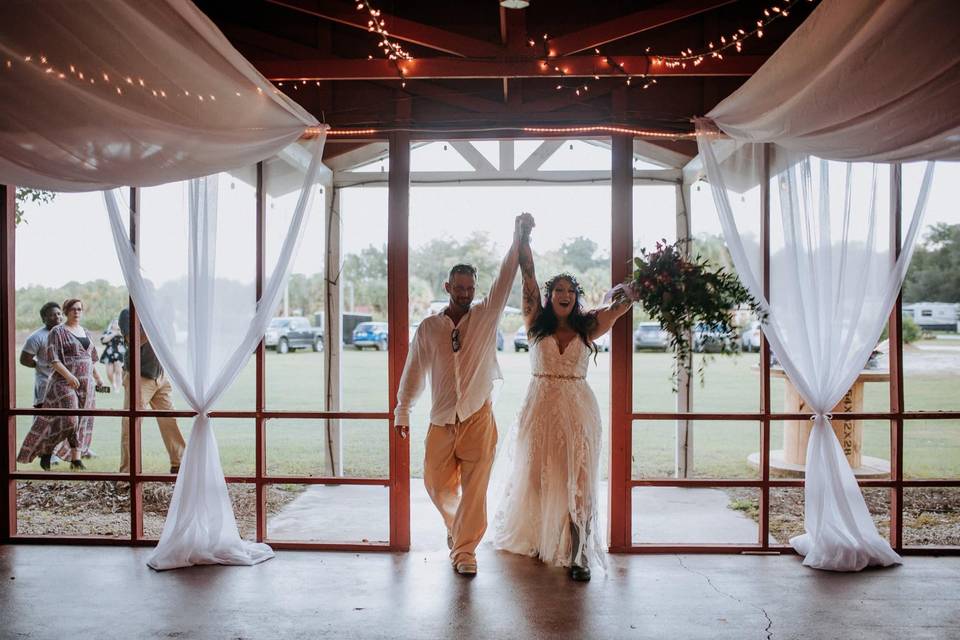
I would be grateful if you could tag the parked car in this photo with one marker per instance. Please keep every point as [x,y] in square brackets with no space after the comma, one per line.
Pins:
[712,339]
[371,334]
[520,340]
[649,335]
[287,334]
[750,337]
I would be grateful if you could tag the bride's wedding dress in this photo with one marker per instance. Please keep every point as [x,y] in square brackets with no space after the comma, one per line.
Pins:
[552,460]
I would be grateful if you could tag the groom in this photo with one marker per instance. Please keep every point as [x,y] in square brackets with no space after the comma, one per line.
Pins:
[457,350]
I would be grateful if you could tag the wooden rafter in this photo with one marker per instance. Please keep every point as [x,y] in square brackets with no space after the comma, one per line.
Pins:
[625,26]
[424,68]
[399,28]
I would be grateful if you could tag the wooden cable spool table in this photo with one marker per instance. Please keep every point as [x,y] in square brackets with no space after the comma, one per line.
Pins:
[792,459]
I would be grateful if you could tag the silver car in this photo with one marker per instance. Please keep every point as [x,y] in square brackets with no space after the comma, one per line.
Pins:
[649,335]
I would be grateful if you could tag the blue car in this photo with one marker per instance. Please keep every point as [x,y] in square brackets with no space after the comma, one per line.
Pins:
[371,334]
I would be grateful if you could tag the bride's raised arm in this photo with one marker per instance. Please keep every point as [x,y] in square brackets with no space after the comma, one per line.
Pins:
[607,315]
[532,303]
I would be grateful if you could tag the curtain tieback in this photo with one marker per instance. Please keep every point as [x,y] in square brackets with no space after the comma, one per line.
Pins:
[826,416]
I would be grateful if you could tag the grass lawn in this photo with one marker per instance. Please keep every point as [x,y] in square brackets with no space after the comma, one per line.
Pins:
[295,382]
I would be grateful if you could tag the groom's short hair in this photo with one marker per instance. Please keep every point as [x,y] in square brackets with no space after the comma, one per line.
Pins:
[466,269]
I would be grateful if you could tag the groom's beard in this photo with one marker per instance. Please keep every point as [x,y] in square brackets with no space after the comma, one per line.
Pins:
[461,304]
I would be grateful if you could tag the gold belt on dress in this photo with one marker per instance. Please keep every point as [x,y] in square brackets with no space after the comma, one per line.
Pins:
[558,377]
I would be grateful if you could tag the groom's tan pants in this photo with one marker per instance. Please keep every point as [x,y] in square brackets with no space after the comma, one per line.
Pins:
[456,471]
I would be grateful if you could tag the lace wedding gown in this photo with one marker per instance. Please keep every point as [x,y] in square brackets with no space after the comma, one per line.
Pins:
[552,462]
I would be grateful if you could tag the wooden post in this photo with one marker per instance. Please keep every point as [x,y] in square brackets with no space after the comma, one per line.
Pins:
[8,346]
[133,388]
[895,341]
[683,457]
[621,344]
[260,423]
[398,232]
[333,326]
[764,506]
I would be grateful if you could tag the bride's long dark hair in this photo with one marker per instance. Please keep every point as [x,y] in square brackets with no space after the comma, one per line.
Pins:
[547,321]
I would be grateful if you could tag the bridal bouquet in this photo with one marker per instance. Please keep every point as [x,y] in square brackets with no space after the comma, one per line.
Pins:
[686,295]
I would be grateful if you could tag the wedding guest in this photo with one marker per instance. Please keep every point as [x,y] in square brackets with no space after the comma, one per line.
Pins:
[113,351]
[33,355]
[72,355]
[156,391]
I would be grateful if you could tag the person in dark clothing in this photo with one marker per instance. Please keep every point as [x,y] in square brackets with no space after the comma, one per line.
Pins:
[155,391]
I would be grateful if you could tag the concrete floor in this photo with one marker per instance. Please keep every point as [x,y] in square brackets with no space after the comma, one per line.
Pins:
[350,513]
[100,592]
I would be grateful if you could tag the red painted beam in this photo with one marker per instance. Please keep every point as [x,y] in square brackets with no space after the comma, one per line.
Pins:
[600,34]
[439,68]
[398,28]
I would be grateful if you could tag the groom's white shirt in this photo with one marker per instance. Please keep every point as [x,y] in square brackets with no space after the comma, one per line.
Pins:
[461,382]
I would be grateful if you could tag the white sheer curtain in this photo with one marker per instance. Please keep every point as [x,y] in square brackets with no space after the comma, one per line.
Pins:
[204,323]
[833,282]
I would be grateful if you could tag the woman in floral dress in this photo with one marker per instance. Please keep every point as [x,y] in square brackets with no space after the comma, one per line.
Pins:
[72,356]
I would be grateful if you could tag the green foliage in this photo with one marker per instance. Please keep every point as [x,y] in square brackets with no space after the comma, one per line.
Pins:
[32,195]
[934,274]
[102,302]
[911,331]
[681,293]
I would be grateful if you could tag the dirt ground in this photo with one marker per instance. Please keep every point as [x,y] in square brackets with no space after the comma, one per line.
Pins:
[931,516]
[103,508]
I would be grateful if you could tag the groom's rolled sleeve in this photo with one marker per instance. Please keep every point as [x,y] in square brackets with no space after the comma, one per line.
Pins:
[411,382]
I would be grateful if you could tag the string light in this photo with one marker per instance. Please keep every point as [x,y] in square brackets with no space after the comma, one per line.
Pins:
[781,9]
[572,130]
[391,49]
[64,72]
[685,57]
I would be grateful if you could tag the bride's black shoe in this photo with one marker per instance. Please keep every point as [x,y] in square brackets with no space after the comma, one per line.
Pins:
[578,572]
[45,462]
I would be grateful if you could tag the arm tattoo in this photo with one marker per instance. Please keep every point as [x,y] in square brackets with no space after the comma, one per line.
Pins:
[531,300]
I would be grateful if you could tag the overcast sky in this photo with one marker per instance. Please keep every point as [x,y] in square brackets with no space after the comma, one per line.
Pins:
[69,239]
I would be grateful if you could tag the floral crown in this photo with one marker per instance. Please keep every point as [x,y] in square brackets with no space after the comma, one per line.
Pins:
[548,286]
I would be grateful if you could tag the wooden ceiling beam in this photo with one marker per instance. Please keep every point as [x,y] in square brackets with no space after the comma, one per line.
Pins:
[629,25]
[455,98]
[438,68]
[407,30]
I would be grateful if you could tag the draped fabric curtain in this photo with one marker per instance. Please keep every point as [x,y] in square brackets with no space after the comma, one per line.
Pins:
[204,328]
[833,280]
[102,94]
[859,80]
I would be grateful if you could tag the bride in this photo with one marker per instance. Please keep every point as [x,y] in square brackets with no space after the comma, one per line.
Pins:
[549,503]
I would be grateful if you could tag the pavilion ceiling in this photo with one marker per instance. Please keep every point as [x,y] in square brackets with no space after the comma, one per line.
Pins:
[474,73]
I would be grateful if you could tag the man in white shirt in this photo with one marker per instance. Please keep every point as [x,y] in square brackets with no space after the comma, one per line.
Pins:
[457,350]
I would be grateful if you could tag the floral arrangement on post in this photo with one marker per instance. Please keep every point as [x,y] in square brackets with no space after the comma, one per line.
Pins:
[681,293]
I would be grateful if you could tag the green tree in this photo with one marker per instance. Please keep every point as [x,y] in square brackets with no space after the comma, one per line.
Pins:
[102,302]
[934,274]
[32,195]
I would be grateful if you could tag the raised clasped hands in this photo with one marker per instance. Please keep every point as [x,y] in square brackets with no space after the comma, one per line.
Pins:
[524,223]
